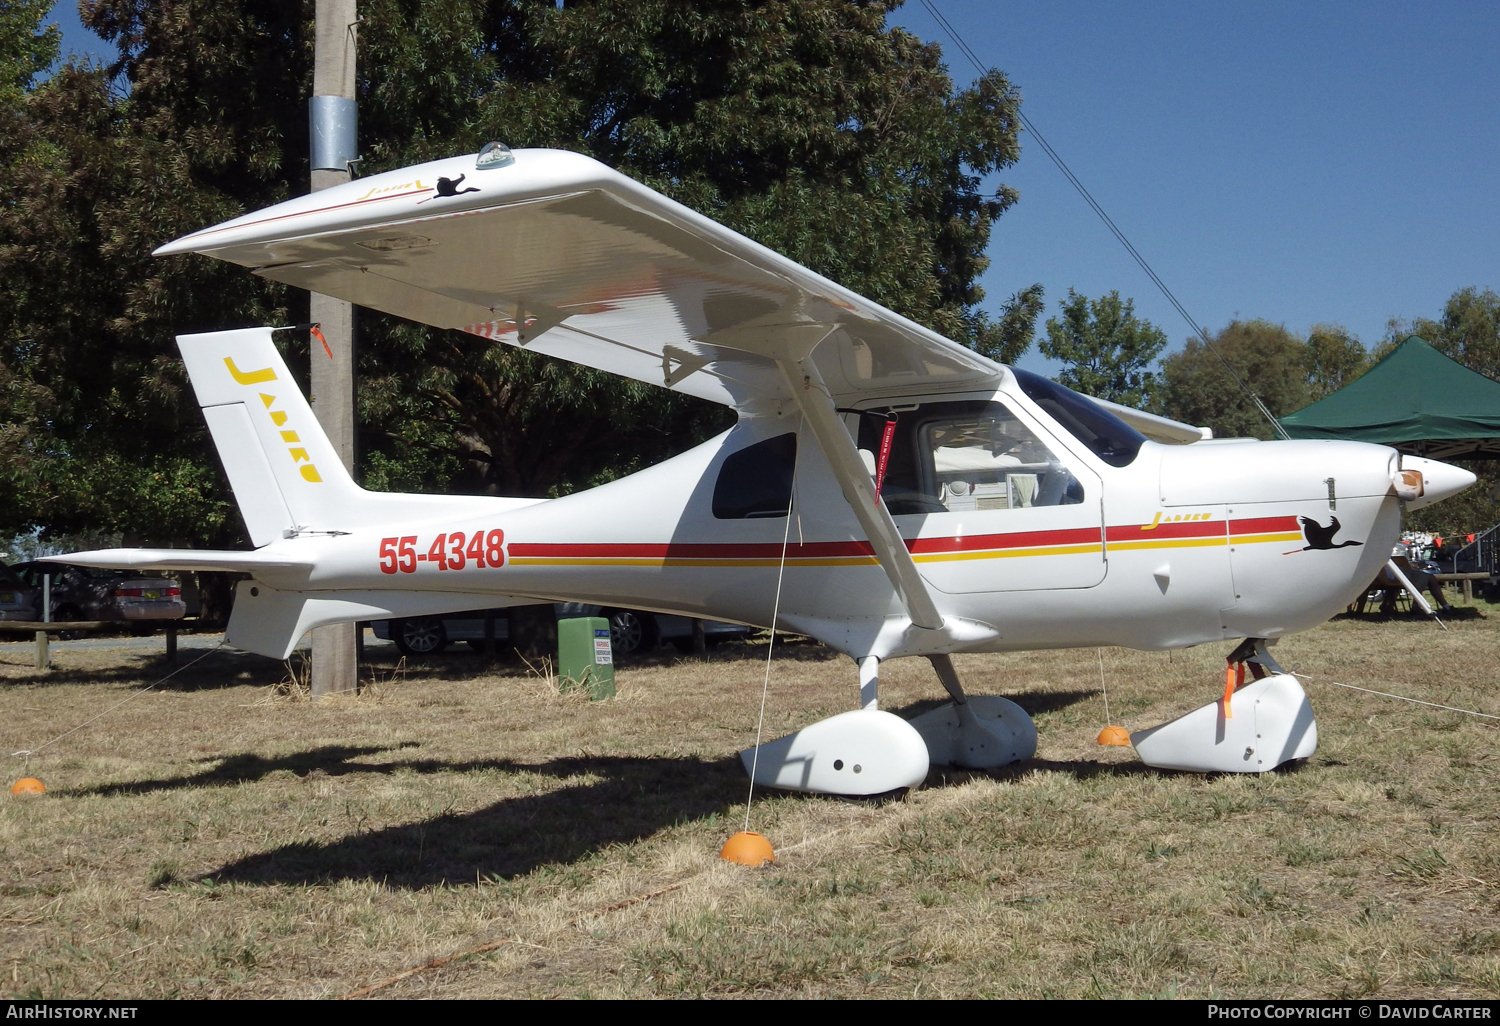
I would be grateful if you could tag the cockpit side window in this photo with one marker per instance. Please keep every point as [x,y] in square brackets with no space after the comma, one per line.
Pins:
[957,456]
[756,482]
[1107,436]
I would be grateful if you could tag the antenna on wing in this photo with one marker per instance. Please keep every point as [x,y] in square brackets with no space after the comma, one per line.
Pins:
[1109,223]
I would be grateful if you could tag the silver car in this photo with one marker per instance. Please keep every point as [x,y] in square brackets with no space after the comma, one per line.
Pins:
[90,593]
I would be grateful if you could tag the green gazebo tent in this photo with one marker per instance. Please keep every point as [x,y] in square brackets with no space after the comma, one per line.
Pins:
[1416,400]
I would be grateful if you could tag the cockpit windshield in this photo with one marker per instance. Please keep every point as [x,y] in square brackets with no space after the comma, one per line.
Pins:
[1107,436]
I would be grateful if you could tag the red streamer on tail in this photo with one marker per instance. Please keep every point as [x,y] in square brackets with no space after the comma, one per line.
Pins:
[317,334]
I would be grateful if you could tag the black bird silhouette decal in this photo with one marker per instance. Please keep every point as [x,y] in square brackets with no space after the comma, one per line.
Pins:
[1320,537]
[450,186]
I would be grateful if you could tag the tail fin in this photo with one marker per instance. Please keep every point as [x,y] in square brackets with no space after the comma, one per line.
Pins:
[286,475]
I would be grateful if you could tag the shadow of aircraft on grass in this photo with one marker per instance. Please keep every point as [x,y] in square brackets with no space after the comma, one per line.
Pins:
[248,767]
[197,670]
[618,800]
[603,801]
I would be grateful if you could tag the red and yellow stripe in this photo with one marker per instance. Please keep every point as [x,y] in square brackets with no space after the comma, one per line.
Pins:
[1167,535]
[1265,529]
[1079,541]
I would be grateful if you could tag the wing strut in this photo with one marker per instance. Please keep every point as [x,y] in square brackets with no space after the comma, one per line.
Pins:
[859,491]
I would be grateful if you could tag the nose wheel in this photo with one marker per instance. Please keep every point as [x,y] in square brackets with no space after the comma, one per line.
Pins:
[1253,728]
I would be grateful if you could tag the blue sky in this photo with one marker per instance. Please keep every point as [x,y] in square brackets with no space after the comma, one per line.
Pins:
[1300,162]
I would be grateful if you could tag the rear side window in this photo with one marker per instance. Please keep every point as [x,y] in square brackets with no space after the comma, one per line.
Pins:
[757,481]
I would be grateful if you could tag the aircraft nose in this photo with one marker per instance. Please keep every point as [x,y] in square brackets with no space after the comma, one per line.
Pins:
[1421,482]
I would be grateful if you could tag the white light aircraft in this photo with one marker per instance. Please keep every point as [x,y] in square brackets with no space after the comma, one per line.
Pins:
[884,490]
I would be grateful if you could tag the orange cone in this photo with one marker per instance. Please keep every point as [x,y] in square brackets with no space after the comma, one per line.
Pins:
[1114,736]
[748,849]
[27,785]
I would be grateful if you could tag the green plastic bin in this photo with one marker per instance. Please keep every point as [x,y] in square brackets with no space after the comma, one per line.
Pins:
[584,656]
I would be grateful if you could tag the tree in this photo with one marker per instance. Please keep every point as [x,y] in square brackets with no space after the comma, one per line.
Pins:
[1016,326]
[103,433]
[1268,359]
[1106,349]
[1335,357]
[806,124]
[26,49]
[1468,330]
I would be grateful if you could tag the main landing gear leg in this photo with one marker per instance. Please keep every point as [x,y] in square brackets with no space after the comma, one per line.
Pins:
[977,733]
[869,683]
[1255,727]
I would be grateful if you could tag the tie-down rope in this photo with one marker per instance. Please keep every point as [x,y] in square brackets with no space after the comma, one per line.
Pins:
[1400,698]
[27,753]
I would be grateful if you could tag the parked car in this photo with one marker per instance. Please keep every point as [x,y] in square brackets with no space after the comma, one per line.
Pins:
[631,630]
[91,593]
[18,600]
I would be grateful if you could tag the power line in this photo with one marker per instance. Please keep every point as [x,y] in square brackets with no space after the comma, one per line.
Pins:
[1109,223]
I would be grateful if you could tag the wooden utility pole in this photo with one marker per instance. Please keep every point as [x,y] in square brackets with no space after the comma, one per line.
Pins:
[333,123]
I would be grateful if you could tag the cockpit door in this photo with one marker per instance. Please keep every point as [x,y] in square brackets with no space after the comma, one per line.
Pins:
[986,503]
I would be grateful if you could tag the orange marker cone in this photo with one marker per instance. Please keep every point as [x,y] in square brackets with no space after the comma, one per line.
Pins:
[1114,736]
[27,785]
[748,849]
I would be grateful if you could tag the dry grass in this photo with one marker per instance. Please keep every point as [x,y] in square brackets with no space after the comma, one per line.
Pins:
[227,837]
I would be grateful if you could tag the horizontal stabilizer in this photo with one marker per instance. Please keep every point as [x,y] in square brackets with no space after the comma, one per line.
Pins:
[179,559]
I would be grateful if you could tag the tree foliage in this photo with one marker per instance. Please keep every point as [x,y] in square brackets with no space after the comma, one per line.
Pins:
[1106,349]
[1335,357]
[809,125]
[1287,373]
[26,48]
[1468,330]
[1270,361]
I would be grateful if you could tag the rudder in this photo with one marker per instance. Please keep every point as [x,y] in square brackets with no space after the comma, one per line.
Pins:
[286,475]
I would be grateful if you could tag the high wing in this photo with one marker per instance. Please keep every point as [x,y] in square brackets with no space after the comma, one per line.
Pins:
[559,253]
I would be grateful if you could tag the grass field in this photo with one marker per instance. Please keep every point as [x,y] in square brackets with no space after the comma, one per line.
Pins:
[226,837]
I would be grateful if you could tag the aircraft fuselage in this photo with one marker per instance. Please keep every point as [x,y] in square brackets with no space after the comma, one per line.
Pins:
[1181,546]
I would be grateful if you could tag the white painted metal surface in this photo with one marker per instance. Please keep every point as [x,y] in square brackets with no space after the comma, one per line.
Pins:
[1270,723]
[862,752]
[986,732]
